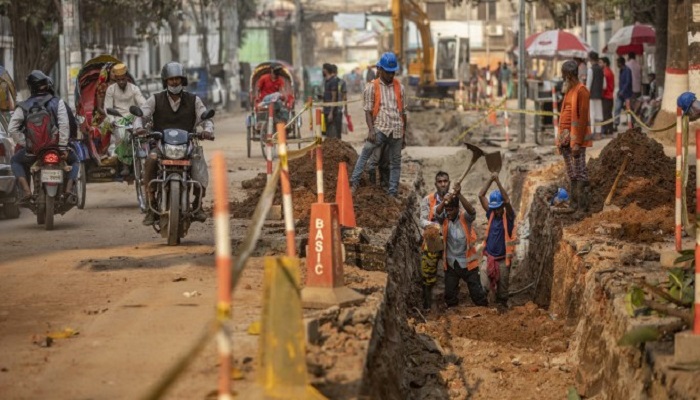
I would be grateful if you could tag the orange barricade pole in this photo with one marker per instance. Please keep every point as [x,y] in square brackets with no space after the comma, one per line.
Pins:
[268,145]
[223,271]
[287,208]
[555,110]
[679,185]
[696,321]
[319,158]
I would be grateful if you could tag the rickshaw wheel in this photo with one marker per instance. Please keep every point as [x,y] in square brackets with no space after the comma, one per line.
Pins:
[249,132]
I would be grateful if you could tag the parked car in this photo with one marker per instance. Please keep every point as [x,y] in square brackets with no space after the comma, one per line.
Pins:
[9,197]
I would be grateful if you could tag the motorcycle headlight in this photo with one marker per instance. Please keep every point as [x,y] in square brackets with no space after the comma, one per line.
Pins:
[175,152]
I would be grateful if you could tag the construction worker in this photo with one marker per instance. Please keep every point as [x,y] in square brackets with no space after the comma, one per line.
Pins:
[499,241]
[689,104]
[386,120]
[461,260]
[575,134]
[431,249]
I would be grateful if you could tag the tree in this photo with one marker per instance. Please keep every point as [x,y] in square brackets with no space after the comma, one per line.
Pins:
[677,55]
[36,24]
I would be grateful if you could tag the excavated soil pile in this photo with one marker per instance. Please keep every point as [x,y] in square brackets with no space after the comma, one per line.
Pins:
[648,180]
[526,326]
[437,127]
[373,207]
[645,193]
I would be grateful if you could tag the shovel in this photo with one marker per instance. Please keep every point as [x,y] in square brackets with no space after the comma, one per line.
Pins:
[476,154]
[494,161]
[608,200]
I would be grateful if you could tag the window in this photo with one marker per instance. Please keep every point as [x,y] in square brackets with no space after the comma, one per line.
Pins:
[435,10]
[542,12]
[486,11]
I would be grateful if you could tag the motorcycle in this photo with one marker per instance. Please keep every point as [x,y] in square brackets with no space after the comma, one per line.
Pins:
[137,147]
[49,175]
[174,181]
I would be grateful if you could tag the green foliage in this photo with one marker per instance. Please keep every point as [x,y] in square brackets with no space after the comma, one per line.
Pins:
[639,335]
[572,394]
[634,302]
[681,284]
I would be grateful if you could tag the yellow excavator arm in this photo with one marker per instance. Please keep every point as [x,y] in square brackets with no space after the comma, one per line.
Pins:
[410,10]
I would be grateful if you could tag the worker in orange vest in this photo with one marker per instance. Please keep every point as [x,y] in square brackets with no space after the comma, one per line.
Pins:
[461,260]
[499,240]
[575,134]
[386,121]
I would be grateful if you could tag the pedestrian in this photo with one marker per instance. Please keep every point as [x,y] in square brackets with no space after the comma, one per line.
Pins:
[340,110]
[499,79]
[575,134]
[608,95]
[370,74]
[636,70]
[461,261]
[582,70]
[330,95]
[624,92]
[499,241]
[595,80]
[506,81]
[386,121]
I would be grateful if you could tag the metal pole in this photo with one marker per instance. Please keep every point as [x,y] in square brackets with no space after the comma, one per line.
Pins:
[71,51]
[521,69]
[583,20]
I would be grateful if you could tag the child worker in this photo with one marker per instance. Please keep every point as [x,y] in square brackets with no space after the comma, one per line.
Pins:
[499,240]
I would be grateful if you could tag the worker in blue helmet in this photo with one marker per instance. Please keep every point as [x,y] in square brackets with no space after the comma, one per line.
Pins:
[689,104]
[385,115]
[499,241]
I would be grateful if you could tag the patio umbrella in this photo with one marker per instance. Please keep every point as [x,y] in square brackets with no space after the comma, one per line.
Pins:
[555,44]
[631,38]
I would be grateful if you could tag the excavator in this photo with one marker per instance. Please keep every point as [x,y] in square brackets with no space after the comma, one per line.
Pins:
[435,71]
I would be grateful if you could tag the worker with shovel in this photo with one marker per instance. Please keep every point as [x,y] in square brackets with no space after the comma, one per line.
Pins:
[575,134]
[499,240]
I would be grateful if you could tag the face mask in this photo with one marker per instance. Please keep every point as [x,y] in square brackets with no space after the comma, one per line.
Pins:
[175,89]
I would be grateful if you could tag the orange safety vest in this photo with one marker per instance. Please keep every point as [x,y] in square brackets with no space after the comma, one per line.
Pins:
[472,257]
[576,131]
[432,201]
[510,240]
[378,97]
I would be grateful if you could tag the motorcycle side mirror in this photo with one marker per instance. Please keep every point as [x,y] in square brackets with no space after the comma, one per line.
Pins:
[113,112]
[135,110]
[209,114]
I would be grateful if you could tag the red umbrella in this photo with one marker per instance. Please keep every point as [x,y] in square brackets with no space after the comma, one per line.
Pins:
[556,44]
[631,39]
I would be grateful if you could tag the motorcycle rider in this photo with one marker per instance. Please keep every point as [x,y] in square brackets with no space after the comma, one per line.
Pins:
[121,95]
[41,88]
[176,109]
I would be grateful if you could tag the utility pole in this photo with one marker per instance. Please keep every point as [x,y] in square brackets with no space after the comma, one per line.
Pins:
[231,29]
[694,47]
[583,20]
[299,44]
[521,69]
[71,52]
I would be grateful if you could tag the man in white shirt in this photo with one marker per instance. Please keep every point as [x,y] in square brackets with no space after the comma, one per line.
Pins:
[636,69]
[121,95]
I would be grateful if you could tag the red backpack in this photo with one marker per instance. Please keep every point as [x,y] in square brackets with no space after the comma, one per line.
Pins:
[40,129]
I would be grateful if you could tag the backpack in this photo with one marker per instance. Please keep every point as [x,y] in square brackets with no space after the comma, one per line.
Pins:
[41,129]
[72,122]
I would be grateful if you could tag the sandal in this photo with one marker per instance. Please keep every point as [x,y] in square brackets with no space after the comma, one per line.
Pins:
[26,200]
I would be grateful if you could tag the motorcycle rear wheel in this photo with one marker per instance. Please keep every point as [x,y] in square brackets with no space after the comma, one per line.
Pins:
[174,214]
[50,202]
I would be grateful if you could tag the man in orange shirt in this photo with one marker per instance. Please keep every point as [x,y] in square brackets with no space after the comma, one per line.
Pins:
[575,134]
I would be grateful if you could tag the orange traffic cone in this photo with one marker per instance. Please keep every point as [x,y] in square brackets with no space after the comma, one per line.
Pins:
[343,197]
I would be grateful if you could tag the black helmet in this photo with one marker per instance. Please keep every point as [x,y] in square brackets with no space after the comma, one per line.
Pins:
[569,68]
[173,70]
[276,68]
[36,80]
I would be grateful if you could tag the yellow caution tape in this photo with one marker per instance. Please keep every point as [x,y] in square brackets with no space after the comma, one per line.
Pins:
[336,103]
[479,122]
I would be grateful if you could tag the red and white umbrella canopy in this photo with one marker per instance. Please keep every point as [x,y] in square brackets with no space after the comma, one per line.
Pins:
[556,44]
[631,39]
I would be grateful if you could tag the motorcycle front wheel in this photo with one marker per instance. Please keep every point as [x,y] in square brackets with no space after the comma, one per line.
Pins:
[174,214]
[81,186]
[138,182]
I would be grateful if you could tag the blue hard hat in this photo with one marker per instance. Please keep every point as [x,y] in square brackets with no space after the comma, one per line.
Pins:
[495,200]
[388,62]
[685,101]
[562,195]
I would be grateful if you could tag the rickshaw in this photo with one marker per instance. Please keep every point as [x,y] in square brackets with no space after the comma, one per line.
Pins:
[8,97]
[283,104]
[9,197]
[94,146]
